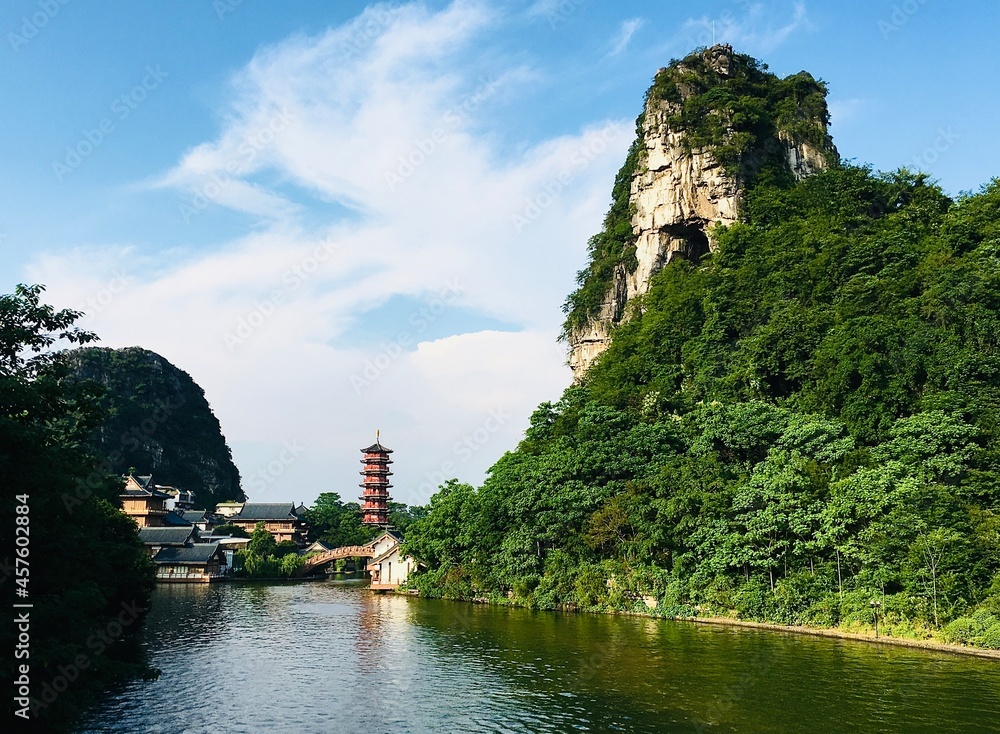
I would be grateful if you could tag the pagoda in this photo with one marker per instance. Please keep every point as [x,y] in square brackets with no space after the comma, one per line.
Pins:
[375,484]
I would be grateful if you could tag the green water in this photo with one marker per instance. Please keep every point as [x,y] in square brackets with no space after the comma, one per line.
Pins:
[333,657]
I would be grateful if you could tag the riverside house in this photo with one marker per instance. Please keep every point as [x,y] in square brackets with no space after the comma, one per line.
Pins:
[177,537]
[198,563]
[389,567]
[280,519]
[143,502]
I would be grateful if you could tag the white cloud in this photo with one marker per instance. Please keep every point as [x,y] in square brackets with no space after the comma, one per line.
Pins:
[389,116]
[627,29]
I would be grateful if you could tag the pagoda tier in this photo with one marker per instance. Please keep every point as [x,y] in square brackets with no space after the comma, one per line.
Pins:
[375,484]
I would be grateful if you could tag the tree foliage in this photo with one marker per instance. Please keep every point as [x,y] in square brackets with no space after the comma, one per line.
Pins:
[806,421]
[90,577]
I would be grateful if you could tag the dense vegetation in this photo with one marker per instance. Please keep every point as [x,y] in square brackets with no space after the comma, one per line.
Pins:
[722,101]
[731,104]
[158,422]
[263,558]
[804,424]
[88,576]
[338,523]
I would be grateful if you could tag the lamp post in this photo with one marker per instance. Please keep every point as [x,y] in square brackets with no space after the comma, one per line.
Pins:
[875,604]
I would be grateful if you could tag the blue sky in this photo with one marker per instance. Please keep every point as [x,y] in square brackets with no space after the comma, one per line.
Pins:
[328,213]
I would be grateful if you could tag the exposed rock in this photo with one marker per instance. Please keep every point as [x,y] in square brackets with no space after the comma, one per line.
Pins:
[159,423]
[678,195]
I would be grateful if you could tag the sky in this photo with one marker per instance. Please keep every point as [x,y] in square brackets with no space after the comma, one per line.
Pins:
[343,217]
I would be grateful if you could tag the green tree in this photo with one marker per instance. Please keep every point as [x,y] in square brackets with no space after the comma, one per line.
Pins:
[261,542]
[88,567]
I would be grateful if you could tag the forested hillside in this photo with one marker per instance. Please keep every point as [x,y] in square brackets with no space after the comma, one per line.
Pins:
[801,423]
[158,422]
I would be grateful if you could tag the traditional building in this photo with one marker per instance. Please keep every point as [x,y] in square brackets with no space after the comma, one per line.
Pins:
[317,546]
[143,502]
[198,563]
[155,538]
[198,518]
[180,499]
[228,509]
[375,484]
[173,518]
[389,568]
[279,519]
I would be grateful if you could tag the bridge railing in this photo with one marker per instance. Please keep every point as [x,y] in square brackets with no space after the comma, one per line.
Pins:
[346,551]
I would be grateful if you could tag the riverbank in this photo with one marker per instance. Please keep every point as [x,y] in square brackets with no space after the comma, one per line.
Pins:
[833,632]
[933,645]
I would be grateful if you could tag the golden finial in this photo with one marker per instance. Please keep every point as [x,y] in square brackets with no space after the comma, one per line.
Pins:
[376,435]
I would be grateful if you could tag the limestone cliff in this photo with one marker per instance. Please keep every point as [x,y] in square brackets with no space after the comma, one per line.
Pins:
[158,423]
[714,124]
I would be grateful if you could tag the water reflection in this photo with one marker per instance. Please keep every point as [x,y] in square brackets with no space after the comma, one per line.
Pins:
[332,657]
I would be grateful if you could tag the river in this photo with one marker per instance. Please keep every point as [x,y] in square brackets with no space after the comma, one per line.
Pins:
[333,657]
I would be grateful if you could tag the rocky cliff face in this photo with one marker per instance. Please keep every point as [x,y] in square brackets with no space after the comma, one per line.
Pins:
[159,423]
[682,185]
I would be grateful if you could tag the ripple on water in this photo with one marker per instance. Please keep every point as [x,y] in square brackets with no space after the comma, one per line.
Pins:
[324,657]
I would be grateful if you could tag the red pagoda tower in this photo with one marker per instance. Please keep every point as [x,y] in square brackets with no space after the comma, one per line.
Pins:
[375,484]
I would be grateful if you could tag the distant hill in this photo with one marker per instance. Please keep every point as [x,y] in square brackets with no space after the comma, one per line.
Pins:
[160,423]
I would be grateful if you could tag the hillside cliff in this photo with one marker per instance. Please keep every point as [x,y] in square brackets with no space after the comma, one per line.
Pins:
[802,423]
[713,124]
[160,423]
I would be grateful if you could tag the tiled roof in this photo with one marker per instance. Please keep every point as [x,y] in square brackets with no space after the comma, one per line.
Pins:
[142,488]
[266,511]
[193,516]
[199,553]
[167,536]
[377,448]
[175,518]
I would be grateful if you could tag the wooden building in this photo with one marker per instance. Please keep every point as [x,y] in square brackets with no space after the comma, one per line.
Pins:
[280,520]
[198,563]
[156,538]
[143,502]
[198,518]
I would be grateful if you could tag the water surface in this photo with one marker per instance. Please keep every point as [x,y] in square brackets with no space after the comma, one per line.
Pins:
[334,657]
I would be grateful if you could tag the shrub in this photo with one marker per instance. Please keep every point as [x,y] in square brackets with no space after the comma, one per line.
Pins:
[962,630]
[990,639]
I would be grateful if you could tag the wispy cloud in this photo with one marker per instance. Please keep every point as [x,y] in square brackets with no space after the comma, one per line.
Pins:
[622,39]
[393,136]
